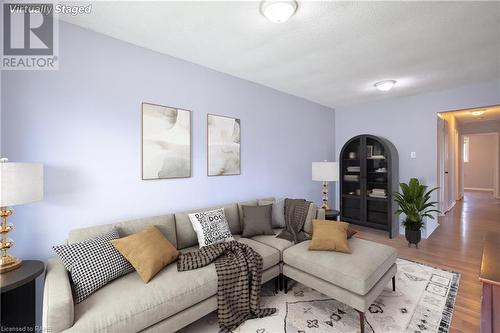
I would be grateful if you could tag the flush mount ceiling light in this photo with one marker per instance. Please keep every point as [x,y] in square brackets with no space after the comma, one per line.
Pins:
[385,85]
[477,113]
[278,11]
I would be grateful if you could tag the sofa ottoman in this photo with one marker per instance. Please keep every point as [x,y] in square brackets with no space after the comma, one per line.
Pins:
[355,279]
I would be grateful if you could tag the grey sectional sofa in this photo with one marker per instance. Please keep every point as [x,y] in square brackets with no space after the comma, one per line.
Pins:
[172,299]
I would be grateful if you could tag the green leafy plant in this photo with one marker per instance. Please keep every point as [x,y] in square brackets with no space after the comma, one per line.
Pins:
[414,202]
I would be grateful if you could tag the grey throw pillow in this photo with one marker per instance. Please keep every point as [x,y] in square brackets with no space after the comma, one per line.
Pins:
[278,211]
[257,220]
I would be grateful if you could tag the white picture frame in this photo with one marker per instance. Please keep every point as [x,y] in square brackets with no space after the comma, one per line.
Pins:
[223,146]
[166,142]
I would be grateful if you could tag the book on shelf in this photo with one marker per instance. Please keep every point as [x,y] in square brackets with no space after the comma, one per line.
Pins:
[377,196]
[378,193]
[377,157]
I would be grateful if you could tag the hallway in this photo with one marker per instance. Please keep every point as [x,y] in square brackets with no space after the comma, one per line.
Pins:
[455,245]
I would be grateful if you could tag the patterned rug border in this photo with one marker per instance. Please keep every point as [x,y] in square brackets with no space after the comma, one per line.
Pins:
[436,267]
[451,299]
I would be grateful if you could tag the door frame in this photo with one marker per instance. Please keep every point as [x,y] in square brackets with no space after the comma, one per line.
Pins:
[442,136]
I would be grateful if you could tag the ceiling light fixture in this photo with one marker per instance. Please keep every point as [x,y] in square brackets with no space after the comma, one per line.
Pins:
[477,113]
[278,11]
[385,85]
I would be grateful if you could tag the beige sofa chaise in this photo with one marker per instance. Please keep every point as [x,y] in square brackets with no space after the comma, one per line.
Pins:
[172,299]
[355,279]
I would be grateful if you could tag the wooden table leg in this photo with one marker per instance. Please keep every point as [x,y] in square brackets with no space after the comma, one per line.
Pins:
[361,321]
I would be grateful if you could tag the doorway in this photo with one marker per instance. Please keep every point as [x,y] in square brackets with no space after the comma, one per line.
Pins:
[468,153]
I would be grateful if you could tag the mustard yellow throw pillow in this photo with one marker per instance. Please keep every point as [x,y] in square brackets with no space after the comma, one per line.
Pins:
[329,236]
[148,251]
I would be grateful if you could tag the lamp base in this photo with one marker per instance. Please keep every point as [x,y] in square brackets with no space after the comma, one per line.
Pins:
[325,205]
[9,263]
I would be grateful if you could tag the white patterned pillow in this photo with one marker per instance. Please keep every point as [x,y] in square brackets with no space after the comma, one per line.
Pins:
[211,227]
[93,263]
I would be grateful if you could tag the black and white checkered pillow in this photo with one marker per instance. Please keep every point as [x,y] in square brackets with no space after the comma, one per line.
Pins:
[211,227]
[93,263]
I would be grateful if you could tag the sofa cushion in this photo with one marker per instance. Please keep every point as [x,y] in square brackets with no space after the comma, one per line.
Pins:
[165,223]
[277,243]
[186,236]
[270,256]
[130,305]
[148,251]
[240,208]
[358,271]
[278,211]
[211,227]
[93,263]
[311,215]
[328,236]
[257,220]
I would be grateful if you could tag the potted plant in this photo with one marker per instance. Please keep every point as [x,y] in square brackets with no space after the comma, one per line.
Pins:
[414,202]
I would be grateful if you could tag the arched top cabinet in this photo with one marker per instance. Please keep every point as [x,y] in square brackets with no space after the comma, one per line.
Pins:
[368,179]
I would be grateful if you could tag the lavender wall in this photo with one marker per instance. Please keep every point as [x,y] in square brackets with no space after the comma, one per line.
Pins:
[84,123]
[410,124]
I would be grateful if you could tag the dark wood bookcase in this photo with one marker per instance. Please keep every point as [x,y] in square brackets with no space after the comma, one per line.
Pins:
[368,179]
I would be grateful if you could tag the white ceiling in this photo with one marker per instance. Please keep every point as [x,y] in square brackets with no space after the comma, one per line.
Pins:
[491,113]
[328,52]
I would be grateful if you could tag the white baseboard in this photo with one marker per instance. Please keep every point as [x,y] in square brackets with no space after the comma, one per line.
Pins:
[450,207]
[430,228]
[478,189]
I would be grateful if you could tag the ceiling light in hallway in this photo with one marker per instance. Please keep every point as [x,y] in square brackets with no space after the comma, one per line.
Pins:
[278,11]
[385,85]
[477,113]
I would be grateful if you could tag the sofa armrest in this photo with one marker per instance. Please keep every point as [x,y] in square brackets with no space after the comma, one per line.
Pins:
[58,306]
[321,214]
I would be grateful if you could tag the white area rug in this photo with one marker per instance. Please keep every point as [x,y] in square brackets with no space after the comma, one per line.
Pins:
[423,302]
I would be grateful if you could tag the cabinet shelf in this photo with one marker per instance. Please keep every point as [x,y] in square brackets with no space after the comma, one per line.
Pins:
[351,196]
[376,199]
[362,209]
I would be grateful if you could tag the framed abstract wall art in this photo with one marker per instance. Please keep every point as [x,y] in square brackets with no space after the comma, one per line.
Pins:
[166,142]
[223,146]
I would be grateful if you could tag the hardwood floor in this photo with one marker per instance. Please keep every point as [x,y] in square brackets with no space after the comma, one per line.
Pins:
[455,245]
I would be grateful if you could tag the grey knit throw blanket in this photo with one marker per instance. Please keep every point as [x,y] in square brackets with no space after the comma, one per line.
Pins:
[239,275]
[295,217]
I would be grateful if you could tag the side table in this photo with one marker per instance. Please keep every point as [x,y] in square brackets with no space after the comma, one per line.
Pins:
[332,215]
[18,297]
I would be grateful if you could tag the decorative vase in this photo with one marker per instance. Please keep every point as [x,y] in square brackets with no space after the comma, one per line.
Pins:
[413,237]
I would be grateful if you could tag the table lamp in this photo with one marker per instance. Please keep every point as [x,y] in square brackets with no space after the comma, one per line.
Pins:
[325,172]
[20,183]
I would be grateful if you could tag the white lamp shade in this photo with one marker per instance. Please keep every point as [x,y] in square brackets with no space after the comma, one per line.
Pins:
[20,183]
[325,171]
